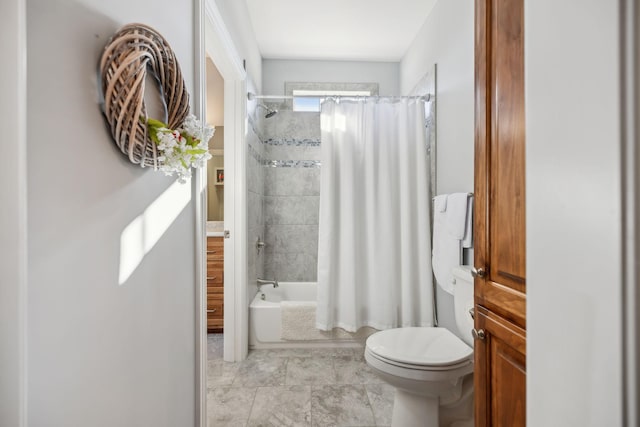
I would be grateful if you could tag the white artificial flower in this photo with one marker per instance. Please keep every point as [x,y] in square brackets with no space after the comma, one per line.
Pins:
[177,156]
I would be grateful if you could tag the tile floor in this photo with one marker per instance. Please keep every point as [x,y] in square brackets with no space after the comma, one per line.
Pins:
[295,387]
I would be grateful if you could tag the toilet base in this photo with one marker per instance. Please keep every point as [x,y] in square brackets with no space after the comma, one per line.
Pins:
[412,410]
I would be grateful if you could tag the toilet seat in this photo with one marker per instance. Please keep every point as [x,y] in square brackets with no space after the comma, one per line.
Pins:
[416,367]
[420,348]
[419,354]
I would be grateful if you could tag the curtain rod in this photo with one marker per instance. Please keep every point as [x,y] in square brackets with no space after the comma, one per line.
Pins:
[252,96]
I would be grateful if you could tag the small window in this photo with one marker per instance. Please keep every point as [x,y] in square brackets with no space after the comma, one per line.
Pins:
[309,100]
[306,103]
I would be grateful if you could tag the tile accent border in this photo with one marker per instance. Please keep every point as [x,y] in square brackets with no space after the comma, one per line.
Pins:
[293,141]
[282,163]
[292,163]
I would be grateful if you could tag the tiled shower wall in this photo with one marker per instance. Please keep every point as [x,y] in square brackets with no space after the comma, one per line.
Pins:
[255,203]
[291,166]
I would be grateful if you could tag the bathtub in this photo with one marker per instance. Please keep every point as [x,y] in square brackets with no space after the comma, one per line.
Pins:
[265,318]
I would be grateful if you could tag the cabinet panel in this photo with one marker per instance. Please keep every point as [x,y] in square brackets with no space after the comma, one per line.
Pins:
[215,284]
[506,263]
[502,300]
[215,264]
[215,275]
[215,293]
[509,390]
[215,280]
[215,302]
[215,325]
[215,310]
[500,147]
[215,245]
[500,359]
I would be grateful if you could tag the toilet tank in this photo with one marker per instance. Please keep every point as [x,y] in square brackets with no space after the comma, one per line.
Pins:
[463,301]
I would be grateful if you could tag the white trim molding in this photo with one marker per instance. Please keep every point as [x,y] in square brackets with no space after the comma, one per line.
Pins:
[630,159]
[220,46]
[200,199]
[222,51]
[13,216]
[236,320]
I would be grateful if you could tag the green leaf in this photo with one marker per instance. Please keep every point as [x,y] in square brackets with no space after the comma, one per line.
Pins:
[190,140]
[156,123]
[153,135]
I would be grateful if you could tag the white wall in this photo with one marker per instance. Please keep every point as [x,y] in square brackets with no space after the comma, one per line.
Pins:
[13,220]
[101,353]
[278,71]
[215,96]
[236,18]
[573,213]
[446,39]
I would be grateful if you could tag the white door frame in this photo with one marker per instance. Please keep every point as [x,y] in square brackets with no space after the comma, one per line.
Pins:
[220,47]
[213,39]
[630,127]
[13,215]
[199,192]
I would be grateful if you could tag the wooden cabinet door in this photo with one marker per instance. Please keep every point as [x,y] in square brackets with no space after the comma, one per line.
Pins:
[500,376]
[500,286]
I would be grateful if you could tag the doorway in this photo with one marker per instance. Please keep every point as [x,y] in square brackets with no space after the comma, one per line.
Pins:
[230,195]
[215,43]
[215,213]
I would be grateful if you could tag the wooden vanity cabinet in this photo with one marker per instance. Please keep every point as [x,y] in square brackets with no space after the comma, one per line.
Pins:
[499,256]
[215,284]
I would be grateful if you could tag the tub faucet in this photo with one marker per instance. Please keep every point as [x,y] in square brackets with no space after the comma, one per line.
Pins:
[261,282]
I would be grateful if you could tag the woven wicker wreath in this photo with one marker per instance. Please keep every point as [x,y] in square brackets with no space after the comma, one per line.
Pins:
[132,52]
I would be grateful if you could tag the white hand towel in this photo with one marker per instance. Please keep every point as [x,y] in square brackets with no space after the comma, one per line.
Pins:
[457,214]
[467,242]
[440,203]
[447,252]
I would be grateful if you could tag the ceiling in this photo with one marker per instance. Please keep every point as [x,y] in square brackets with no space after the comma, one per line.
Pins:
[361,30]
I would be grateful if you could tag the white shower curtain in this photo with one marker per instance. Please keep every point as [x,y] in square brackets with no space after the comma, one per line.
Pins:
[374,237]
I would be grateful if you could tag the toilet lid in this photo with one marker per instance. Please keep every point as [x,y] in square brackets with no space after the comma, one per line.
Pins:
[419,346]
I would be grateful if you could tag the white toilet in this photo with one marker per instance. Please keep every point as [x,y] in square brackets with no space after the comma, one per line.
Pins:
[431,368]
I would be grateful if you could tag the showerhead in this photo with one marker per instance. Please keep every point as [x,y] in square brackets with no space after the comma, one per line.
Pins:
[270,111]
